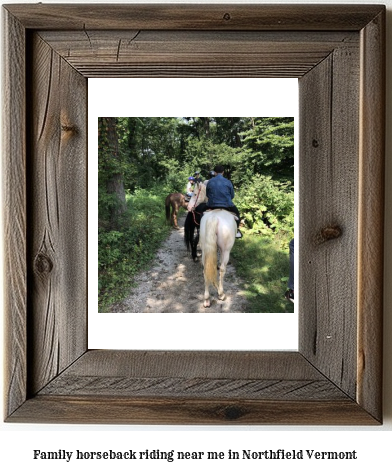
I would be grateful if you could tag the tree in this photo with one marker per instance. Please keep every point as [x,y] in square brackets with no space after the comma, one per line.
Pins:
[229,129]
[269,147]
[112,202]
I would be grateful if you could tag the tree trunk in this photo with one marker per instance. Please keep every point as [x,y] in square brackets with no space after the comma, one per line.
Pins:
[115,183]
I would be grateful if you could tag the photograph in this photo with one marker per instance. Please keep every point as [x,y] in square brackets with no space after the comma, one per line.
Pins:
[196,214]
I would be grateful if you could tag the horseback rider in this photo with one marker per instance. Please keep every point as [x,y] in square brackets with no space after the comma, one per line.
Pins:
[197,177]
[211,174]
[220,193]
[189,187]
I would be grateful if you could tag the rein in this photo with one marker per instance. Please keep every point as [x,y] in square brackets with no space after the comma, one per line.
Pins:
[194,218]
[197,197]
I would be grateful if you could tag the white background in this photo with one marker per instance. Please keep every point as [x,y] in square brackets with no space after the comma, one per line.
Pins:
[372,443]
[184,98]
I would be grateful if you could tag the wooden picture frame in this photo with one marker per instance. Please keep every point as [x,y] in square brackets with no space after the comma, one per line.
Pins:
[338,54]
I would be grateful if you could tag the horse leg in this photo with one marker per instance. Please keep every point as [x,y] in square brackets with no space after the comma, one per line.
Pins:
[225,255]
[195,241]
[175,211]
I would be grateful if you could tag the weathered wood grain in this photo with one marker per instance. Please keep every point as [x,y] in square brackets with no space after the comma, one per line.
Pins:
[103,409]
[129,53]
[194,387]
[371,216]
[206,374]
[208,364]
[14,209]
[57,214]
[204,388]
[122,43]
[169,71]
[194,17]
[329,98]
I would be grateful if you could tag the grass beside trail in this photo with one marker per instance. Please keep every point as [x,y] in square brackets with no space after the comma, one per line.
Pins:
[263,264]
[123,253]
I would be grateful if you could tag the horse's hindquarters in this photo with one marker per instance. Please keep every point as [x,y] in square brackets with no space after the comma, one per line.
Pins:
[217,229]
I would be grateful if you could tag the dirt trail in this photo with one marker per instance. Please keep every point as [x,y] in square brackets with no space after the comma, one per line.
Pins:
[175,284]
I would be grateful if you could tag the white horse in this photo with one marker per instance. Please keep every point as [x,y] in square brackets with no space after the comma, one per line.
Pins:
[199,196]
[217,230]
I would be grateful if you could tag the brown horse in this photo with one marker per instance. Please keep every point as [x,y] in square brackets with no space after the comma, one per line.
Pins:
[175,201]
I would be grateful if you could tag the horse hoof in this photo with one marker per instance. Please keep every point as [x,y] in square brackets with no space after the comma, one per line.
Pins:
[207,304]
[176,227]
[222,297]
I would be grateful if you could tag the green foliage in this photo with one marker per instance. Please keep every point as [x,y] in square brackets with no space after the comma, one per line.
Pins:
[269,147]
[267,206]
[175,176]
[123,253]
[203,155]
[264,265]
[151,144]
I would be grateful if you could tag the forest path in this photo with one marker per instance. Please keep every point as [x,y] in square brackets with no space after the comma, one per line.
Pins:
[175,284]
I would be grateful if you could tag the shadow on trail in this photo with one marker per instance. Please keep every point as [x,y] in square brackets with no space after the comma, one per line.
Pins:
[175,284]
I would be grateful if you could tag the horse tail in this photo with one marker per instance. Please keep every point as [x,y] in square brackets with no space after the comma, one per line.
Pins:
[167,207]
[210,253]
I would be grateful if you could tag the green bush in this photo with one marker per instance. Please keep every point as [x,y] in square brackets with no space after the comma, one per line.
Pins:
[267,206]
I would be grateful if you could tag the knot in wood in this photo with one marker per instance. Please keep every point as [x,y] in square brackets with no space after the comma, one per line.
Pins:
[43,264]
[232,413]
[328,233]
[227,16]
[315,143]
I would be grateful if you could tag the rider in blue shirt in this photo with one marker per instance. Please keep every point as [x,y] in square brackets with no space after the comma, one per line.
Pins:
[220,193]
